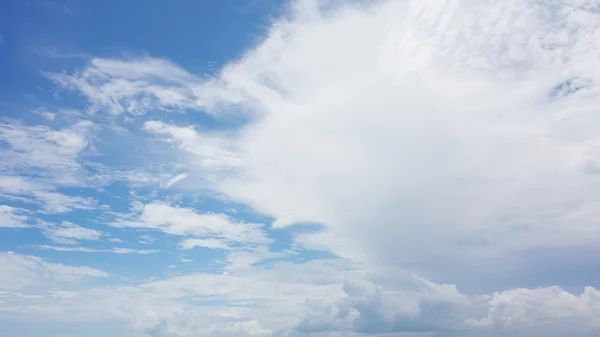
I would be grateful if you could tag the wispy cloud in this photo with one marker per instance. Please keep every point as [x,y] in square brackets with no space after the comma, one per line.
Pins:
[11,217]
[68,233]
[185,221]
[31,271]
[146,84]
[146,239]
[175,180]
[94,250]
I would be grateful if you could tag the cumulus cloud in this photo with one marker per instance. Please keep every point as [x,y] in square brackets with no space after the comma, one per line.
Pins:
[319,298]
[368,308]
[439,124]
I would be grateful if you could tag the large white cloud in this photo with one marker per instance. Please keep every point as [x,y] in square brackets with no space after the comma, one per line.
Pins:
[403,126]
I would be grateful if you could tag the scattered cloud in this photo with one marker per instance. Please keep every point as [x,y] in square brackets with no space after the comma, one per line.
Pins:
[423,137]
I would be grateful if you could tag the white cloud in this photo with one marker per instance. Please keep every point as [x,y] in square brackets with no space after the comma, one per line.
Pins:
[437,125]
[243,258]
[22,272]
[115,240]
[175,180]
[120,86]
[68,233]
[10,218]
[44,148]
[207,243]
[94,250]
[315,298]
[542,306]
[184,221]
[38,160]
[368,308]
[250,327]
[421,134]
[36,191]
[215,151]
[146,239]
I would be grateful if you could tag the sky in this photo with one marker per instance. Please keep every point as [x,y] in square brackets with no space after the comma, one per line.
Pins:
[303,168]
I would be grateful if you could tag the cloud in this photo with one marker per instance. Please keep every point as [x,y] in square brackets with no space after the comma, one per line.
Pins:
[25,272]
[318,298]
[94,250]
[68,233]
[206,243]
[542,306]
[442,309]
[146,239]
[40,191]
[436,126]
[250,327]
[148,84]
[215,151]
[244,258]
[184,221]
[37,160]
[10,218]
[39,147]
[433,136]
[175,180]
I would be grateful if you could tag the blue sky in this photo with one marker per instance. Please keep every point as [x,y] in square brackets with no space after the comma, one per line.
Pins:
[299,168]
